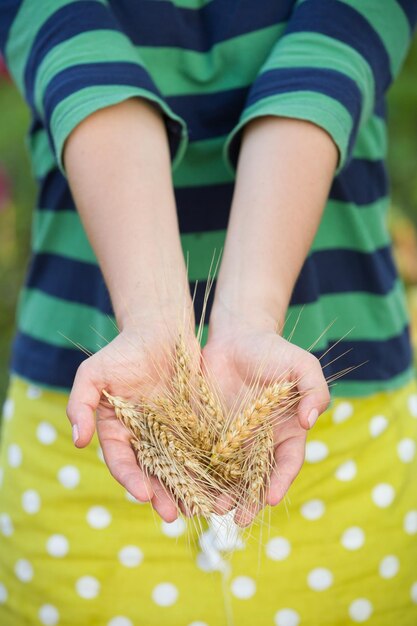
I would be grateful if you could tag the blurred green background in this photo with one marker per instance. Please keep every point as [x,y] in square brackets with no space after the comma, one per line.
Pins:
[18,192]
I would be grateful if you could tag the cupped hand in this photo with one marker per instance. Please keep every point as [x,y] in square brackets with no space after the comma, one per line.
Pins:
[234,358]
[132,365]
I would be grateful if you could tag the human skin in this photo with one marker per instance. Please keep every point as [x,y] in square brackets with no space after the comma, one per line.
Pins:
[284,173]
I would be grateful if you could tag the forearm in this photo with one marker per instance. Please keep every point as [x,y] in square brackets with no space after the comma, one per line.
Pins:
[118,168]
[284,173]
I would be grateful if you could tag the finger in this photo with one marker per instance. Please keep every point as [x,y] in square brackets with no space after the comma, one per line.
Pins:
[289,458]
[162,502]
[82,405]
[123,466]
[314,391]
[245,515]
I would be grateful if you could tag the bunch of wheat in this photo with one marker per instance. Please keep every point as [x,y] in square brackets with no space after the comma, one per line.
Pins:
[195,447]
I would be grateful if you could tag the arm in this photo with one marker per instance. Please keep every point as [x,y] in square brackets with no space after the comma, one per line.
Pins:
[284,174]
[125,198]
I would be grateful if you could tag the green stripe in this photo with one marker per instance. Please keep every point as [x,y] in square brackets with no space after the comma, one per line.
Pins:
[319,51]
[43,159]
[355,389]
[78,323]
[202,165]
[96,46]
[371,142]
[51,235]
[57,319]
[76,107]
[344,225]
[312,106]
[391,24]
[362,316]
[28,21]
[368,233]
[229,64]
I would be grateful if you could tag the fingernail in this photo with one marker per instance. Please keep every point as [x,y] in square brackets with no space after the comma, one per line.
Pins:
[75,433]
[312,418]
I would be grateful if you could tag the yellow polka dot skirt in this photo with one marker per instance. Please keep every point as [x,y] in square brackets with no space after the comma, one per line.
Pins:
[77,550]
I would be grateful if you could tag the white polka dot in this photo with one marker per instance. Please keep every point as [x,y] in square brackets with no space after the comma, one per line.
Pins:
[278,548]
[98,517]
[342,412]
[3,594]
[6,525]
[46,433]
[346,471]
[31,501]
[353,538]
[287,617]
[69,476]
[360,610]
[100,454]
[14,455]
[412,404]
[377,425]
[8,409]
[57,546]
[243,587]
[410,523]
[389,566]
[383,495]
[48,615]
[120,621]
[87,587]
[320,579]
[406,449]
[316,451]
[130,556]
[23,570]
[33,392]
[313,509]
[175,528]
[413,592]
[165,594]
[198,624]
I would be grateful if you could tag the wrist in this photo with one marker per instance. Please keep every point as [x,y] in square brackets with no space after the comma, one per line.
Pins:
[244,314]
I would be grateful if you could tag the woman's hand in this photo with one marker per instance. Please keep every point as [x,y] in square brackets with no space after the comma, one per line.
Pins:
[237,354]
[133,364]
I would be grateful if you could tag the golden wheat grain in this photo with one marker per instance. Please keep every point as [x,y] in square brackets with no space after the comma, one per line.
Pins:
[243,426]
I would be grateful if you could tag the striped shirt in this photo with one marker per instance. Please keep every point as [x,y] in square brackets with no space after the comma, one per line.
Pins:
[210,66]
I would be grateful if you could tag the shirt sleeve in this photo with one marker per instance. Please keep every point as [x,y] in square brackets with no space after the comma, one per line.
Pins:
[332,67]
[69,58]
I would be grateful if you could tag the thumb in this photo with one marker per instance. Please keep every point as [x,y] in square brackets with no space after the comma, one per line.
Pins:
[82,405]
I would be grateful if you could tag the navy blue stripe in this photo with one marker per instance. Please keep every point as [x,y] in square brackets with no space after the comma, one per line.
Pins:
[78,77]
[344,271]
[8,12]
[207,207]
[206,115]
[362,181]
[342,22]
[410,9]
[292,79]
[372,360]
[351,271]
[66,22]
[322,80]
[378,360]
[163,24]
[203,208]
